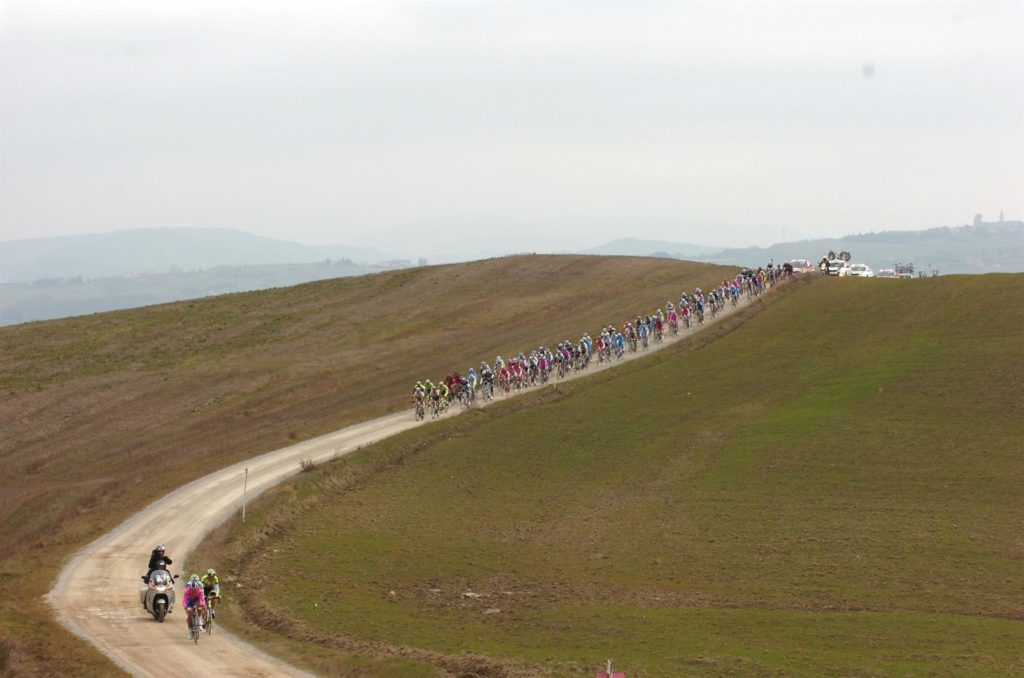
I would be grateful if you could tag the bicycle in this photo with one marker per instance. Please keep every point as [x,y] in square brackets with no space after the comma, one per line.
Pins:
[193,625]
[208,617]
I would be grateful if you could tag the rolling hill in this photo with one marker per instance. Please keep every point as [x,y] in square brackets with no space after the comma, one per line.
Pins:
[828,487]
[104,413]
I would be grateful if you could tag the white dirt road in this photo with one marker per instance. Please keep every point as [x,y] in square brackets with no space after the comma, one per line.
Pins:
[97,593]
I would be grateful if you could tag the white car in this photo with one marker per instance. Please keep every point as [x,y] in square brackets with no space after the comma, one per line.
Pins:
[886,273]
[861,271]
[838,267]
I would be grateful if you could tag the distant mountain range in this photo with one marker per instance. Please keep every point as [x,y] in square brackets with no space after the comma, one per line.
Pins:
[56,277]
[644,248]
[462,238]
[983,248]
[158,250]
[52,298]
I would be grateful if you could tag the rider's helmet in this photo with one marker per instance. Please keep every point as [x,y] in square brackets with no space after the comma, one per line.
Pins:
[159,547]
[212,572]
[193,581]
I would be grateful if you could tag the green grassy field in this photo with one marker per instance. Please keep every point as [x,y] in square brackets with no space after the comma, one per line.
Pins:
[90,404]
[829,486]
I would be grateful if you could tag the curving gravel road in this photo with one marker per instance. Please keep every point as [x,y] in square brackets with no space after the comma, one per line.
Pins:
[97,593]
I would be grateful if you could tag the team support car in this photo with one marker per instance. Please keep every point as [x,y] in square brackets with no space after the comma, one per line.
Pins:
[801,265]
[861,271]
[838,267]
[886,273]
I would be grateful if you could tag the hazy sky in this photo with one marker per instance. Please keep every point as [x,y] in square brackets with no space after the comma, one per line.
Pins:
[328,122]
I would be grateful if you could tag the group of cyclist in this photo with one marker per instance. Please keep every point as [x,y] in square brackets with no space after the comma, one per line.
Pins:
[200,591]
[538,366]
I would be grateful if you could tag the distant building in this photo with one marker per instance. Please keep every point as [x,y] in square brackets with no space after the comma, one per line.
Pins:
[977,219]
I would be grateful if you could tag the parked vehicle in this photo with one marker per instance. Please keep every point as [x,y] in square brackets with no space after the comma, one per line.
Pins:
[838,267]
[861,271]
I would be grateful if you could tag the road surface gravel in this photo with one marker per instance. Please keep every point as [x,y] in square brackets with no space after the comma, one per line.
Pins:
[96,595]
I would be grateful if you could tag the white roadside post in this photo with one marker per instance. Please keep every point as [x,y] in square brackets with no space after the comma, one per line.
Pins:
[610,672]
[245,486]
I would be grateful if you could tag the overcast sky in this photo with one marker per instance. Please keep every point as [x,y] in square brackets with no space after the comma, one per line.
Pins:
[329,122]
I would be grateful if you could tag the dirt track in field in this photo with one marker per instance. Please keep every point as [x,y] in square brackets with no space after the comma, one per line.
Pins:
[97,593]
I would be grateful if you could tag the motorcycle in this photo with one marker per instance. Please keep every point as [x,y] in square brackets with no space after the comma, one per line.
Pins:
[157,597]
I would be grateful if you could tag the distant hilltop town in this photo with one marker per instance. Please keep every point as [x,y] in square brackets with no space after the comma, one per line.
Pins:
[979,222]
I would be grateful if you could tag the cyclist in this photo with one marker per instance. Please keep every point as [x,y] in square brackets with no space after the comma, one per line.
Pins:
[589,343]
[487,377]
[211,589]
[194,602]
[419,399]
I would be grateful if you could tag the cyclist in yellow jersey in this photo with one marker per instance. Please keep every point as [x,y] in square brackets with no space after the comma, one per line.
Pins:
[211,589]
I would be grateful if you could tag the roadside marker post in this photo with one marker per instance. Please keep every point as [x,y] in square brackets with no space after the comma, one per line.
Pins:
[245,486]
[609,673]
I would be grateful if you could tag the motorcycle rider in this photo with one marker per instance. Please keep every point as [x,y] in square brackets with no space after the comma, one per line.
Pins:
[155,557]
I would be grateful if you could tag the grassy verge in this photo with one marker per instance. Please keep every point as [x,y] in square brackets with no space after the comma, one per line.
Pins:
[831,487]
[91,404]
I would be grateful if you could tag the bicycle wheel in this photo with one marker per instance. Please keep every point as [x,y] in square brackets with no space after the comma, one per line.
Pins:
[209,620]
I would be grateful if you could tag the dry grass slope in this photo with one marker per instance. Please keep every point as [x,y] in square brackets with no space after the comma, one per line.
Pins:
[102,414]
[832,487]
